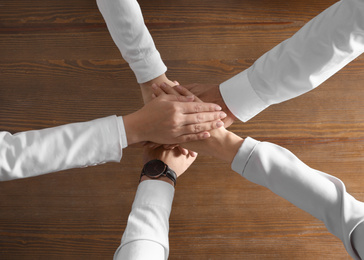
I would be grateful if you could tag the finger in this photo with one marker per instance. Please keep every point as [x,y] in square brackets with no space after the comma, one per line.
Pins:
[176,83]
[195,107]
[183,150]
[192,153]
[185,92]
[154,146]
[193,137]
[186,98]
[171,97]
[203,117]
[157,91]
[170,146]
[169,90]
[199,128]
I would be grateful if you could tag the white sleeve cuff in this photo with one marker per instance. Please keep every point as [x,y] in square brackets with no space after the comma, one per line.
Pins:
[154,192]
[243,155]
[148,68]
[240,97]
[124,140]
[148,221]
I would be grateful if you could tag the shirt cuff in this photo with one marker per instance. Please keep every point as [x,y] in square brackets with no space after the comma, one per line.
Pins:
[243,155]
[240,97]
[154,192]
[124,140]
[148,68]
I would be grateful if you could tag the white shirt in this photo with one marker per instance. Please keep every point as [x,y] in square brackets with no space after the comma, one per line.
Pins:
[146,233]
[317,51]
[82,144]
[37,152]
[33,153]
[301,63]
[321,48]
[125,22]
[322,195]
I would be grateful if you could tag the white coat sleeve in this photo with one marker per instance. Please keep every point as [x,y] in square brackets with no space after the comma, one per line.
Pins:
[322,195]
[125,22]
[146,233]
[37,152]
[317,51]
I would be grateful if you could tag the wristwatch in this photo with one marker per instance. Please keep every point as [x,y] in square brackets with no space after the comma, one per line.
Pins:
[156,168]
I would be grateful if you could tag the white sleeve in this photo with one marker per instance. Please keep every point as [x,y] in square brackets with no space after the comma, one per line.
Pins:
[322,195]
[146,233]
[125,22]
[321,48]
[33,153]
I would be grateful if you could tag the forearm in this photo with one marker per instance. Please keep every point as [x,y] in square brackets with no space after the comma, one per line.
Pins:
[146,233]
[317,193]
[321,48]
[59,148]
[125,22]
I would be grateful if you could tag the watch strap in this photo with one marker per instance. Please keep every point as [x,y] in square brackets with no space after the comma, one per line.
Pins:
[168,172]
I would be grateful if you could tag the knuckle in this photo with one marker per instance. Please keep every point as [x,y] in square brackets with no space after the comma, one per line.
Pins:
[175,123]
[213,125]
[217,116]
[188,138]
[199,118]
[197,128]
[198,108]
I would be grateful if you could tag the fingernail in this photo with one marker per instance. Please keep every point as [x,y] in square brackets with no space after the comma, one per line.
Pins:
[223,115]
[190,97]
[206,135]
[154,86]
[219,124]
[218,108]
[164,85]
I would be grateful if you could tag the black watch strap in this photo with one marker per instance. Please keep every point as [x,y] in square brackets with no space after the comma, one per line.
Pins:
[155,169]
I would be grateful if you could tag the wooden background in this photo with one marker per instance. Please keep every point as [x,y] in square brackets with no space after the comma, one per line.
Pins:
[58,64]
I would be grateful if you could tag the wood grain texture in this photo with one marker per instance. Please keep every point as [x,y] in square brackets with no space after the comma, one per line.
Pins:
[59,65]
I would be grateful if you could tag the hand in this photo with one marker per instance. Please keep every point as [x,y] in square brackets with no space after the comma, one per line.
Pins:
[169,119]
[146,87]
[222,144]
[163,89]
[211,93]
[178,162]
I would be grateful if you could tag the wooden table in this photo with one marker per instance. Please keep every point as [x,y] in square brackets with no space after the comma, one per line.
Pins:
[59,65]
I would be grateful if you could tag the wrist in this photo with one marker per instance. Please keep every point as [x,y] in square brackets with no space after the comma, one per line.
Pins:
[146,86]
[131,125]
[226,146]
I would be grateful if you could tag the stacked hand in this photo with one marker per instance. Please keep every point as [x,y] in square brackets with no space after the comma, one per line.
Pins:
[211,93]
[170,119]
[175,117]
[221,144]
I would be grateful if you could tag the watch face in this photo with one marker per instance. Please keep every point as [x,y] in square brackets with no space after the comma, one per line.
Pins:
[154,168]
